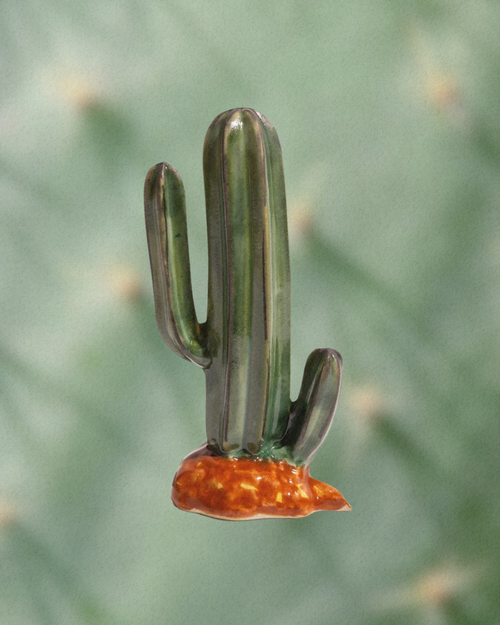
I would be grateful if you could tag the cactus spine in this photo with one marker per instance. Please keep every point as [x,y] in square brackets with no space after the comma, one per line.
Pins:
[244,345]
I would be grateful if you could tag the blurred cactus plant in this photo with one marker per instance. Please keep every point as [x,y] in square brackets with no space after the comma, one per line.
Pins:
[259,443]
[388,115]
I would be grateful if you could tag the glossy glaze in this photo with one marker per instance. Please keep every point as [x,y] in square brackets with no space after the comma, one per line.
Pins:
[244,345]
[238,489]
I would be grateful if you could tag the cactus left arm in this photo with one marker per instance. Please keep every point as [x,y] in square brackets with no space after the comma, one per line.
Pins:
[169,256]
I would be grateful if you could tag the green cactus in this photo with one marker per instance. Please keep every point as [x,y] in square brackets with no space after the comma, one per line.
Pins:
[244,345]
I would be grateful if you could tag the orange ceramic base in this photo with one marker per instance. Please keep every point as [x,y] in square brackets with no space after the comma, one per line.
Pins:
[238,489]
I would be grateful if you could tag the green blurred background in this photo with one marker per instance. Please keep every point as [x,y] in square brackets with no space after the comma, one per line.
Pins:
[389,118]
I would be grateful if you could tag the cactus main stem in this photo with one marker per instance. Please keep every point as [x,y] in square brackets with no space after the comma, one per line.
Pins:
[165,210]
[248,322]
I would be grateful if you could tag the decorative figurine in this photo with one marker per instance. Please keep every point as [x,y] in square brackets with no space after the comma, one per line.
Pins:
[255,463]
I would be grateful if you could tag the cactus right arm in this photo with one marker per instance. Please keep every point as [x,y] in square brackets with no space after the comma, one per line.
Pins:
[312,413]
[169,255]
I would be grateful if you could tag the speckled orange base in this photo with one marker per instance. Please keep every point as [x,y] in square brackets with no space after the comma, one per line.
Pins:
[237,489]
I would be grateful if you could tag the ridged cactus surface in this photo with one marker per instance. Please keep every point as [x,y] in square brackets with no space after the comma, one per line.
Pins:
[388,117]
[244,345]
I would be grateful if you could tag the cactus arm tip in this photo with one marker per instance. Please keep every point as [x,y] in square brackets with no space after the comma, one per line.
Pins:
[166,230]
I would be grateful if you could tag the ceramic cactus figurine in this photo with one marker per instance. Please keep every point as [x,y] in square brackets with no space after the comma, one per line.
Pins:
[255,463]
